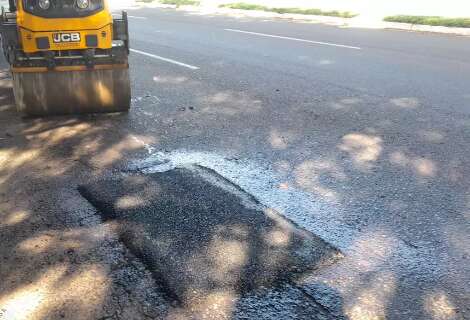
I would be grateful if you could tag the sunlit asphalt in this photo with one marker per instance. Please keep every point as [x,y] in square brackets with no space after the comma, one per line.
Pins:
[373,125]
[359,136]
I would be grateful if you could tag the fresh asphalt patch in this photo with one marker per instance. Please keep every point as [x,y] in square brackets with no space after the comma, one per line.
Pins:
[201,235]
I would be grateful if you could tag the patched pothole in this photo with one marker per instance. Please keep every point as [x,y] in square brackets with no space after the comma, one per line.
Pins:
[207,240]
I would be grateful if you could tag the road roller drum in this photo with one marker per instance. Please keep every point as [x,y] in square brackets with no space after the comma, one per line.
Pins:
[72,91]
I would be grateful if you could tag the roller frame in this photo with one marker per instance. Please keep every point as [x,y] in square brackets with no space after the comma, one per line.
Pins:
[69,82]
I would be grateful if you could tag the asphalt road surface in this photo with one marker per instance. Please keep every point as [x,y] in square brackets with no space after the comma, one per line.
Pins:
[374,125]
[359,136]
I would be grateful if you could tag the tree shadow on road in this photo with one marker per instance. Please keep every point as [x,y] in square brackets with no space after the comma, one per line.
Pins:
[391,173]
[57,259]
[393,170]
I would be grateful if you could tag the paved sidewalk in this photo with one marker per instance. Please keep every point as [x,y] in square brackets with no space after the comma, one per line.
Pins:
[369,15]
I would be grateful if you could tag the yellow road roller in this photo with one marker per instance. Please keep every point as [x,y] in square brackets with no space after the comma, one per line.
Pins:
[66,56]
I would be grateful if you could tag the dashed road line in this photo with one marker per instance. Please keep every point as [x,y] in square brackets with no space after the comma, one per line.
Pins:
[151,55]
[137,17]
[294,39]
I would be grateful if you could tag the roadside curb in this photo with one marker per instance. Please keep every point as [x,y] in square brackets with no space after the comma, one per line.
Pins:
[357,22]
[425,28]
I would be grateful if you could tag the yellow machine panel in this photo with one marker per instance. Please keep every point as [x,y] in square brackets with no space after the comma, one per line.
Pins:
[35,23]
[66,40]
[64,33]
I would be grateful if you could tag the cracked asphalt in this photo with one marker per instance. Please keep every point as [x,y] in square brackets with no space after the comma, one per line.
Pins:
[366,148]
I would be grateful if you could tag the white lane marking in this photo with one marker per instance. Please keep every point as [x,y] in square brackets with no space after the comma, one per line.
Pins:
[165,59]
[136,17]
[294,39]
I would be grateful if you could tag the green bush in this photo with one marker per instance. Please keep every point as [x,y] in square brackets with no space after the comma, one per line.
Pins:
[431,20]
[318,12]
[181,2]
